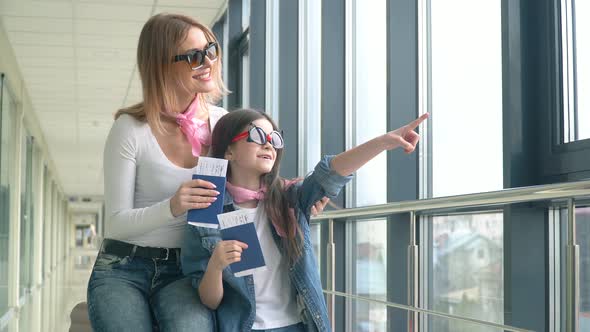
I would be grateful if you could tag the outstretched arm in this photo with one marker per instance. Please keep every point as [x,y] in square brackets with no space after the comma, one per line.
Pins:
[351,160]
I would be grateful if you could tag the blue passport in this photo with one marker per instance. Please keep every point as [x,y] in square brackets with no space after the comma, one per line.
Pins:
[214,171]
[208,217]
[239,225]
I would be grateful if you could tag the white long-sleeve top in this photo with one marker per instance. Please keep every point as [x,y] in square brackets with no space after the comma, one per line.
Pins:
[139,181]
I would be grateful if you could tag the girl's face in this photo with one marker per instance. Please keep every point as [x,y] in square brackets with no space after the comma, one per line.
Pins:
[249,158]
[201,79]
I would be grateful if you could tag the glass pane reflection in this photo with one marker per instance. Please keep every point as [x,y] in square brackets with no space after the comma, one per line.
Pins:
[370,274]
[467,269]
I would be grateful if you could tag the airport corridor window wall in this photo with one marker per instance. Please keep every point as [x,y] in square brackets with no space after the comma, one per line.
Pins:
[367,118]
[464,98]
[42,222]
[7,153]
[486,64]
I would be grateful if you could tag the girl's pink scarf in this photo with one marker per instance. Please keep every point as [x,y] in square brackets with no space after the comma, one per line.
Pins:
[241,195]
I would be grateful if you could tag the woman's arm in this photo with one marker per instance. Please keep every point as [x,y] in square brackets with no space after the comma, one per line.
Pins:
[351,160]
[122,220]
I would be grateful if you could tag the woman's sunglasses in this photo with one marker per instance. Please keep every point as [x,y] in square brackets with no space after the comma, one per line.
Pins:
[258,136]
[196,58]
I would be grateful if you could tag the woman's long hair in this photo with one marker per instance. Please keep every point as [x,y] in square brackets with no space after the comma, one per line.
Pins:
[159,42]
[276,203]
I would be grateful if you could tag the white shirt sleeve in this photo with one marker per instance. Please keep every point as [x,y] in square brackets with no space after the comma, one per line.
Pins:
[122,219]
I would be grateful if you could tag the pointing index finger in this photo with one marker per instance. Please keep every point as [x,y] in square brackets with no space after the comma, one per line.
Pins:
[414,124]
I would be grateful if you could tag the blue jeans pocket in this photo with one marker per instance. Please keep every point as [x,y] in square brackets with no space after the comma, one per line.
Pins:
[104,260]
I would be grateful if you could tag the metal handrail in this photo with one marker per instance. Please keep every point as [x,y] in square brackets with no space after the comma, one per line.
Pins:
[428,312]
[488,199]
[506,196]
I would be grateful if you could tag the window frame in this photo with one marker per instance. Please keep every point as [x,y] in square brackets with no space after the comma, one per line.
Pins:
[560,161]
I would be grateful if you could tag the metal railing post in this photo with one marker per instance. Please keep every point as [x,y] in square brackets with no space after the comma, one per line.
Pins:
[572,271]
[413,275]
[331,270]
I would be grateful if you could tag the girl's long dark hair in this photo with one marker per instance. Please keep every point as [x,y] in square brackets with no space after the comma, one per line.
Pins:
[276,203]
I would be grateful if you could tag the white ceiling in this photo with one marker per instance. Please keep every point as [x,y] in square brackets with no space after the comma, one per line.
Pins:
[77,58]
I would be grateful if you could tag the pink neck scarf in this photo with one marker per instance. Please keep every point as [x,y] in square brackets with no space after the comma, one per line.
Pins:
[196,131]
[241,195]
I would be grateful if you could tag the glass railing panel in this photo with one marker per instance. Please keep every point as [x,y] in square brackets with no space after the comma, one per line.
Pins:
[582,218]
[369,273]
[583,240]
[446,324]
[375,321]
[466,268]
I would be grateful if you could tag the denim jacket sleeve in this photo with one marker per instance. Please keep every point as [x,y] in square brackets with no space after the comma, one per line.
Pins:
[323,181]
[195,253]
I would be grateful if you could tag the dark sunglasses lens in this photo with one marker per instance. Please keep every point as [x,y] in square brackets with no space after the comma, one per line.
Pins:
[212,52]
[196,59]
[257,135]
[276,140]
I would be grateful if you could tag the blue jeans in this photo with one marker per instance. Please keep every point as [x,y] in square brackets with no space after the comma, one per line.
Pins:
[291,328]
[136,294]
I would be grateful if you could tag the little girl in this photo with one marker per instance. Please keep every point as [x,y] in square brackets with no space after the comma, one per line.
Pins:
[287,295]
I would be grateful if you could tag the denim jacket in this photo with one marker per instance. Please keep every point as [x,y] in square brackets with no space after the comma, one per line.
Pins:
[237,308]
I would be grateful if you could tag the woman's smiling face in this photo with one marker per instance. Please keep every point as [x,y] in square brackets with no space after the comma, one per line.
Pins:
[200,80]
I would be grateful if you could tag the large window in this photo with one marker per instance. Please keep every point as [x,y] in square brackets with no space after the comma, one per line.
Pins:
[367,118]
[245,93]
[46,224]
[309,84]
[575,20]
[464,96]
[582,30]
[465,60]
[7,125]
[27,221]
[309,87]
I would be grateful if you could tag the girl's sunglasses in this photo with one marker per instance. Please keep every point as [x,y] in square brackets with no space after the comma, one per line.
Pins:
[258,136]
[196,58]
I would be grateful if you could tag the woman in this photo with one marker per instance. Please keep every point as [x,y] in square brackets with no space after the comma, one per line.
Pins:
[149,156]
